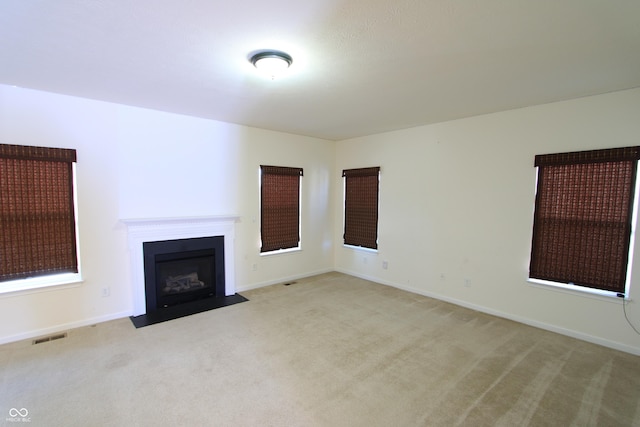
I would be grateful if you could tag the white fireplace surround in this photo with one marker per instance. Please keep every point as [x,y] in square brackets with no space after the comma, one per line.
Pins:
[142,230]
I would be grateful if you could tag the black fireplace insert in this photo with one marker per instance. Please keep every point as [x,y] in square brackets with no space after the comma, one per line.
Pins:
[184,270]
[183,277]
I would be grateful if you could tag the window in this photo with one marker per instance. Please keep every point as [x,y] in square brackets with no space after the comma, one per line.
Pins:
[280,207]
[37,212]
[361,207]
[583,218]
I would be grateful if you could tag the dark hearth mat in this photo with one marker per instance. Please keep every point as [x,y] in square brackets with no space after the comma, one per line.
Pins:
[187,309]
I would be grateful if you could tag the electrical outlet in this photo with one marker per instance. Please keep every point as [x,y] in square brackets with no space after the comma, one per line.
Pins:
[106,291]
[385,265]
[254,267]
[467,283]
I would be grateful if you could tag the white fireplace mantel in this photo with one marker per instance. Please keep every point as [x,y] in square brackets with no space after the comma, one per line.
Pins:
[142,230]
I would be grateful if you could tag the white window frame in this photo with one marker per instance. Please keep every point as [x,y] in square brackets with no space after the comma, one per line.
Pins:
[279,251]
[344,213]
[584,290]
[48,282]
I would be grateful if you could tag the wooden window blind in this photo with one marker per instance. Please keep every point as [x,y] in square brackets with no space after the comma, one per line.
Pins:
[280,207]
[583,214]
[37,215]
[361,207]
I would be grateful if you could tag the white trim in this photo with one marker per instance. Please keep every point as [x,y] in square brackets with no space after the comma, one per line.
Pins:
[63,327]
[156,229]
[576,289]
[77,222]
[282,251]
[344,212]
[541,325]
[40,284]
[582,291]
[632,237]
[360,248]
[283,280]
[50,282]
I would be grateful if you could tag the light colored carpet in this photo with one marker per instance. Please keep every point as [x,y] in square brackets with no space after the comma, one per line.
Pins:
[331,350]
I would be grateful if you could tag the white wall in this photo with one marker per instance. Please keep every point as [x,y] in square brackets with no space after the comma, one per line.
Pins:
[137,163]
[456,203]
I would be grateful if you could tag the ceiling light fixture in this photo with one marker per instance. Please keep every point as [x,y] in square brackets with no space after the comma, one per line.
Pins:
[271,62]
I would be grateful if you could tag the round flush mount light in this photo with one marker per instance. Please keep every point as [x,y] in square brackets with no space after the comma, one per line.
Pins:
[271,62]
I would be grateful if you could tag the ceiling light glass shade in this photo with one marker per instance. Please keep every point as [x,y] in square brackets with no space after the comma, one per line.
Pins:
[271,63]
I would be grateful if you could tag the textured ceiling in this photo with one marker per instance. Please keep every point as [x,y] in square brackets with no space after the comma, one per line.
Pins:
[359,66]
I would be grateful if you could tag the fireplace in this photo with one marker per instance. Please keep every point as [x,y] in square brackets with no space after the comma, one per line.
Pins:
[181,266]
[184,270]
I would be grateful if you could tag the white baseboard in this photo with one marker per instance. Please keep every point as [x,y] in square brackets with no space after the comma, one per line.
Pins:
[531,322]
[282,280]
[63,327]
[92,321]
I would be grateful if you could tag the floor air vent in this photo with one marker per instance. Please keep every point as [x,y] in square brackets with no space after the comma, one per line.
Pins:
[50,338]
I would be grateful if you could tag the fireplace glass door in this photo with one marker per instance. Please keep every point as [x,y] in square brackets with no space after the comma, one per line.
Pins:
[188,276]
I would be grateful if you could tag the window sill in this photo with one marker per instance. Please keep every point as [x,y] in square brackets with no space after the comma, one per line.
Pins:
[577,290]
[281,251]
[40,284]
[360,248]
